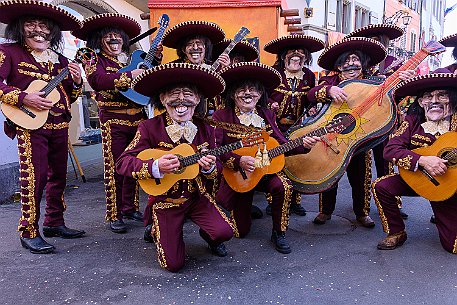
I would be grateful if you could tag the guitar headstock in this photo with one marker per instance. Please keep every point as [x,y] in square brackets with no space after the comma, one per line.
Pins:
[255,138]
[164,20]
[434,47]
[243,32]
[86,56]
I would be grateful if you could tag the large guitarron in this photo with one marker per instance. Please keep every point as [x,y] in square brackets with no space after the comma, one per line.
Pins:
[370,113]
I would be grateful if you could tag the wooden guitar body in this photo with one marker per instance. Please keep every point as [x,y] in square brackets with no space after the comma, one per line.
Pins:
[30,118]
[150,186]
[325,164]
[421,184]
[236,181]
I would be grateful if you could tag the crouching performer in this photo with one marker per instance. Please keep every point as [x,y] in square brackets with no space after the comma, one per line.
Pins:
[247,84]
[430,123]
[179,88]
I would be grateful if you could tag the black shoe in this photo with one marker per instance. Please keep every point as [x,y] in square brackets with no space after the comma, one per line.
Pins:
[37,245]
[62,231]
[256,213]
[118,226]
[433,219]
[297,209]
[280,242]
[148,234]
[219,250]
[138,216]
[268,210]
[403,214]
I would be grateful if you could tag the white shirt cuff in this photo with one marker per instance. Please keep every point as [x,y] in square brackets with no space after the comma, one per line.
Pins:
[210,170]
[155,170]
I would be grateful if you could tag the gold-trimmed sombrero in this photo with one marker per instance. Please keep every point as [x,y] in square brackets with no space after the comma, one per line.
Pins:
[449,41]
[244,48]
[390,30]
[184,29]
[268,76]
[368,46]
[151,81]
[12,10]
[439,79]
[312,44]
[93,23]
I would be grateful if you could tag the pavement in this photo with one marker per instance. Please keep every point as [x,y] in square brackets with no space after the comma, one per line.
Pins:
[336,263]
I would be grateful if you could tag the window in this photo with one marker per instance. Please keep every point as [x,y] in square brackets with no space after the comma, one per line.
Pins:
[413,42]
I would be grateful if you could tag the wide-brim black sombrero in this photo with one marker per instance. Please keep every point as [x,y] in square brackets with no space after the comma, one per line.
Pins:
[312,44]
[182,30]
[12,10]
[243,48]
[151,81]
[390,30]
[94,23]
[269,77]
[368,46]
[439,79]
[449,41]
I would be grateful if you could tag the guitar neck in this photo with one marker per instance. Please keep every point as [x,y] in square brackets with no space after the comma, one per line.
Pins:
[282,149]
[227,50]
[153,49]
[53,83]
[411,64]
[189,160]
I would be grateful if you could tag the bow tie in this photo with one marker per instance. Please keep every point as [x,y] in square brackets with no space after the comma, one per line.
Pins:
[45,56]
[433,128]
[248,119]
[176,132]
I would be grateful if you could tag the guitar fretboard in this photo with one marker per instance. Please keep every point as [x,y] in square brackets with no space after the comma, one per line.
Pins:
[153,49]
[53,83]
[227,50]
[189,160]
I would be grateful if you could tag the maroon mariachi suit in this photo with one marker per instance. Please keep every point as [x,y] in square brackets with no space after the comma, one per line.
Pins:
[359,167]
[452,68]
[292,100]
[277,185]
[411,135]
[119,120]
[43,152]
[186,199]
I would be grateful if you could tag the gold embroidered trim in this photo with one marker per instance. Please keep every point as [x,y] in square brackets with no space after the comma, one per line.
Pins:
[11,97]
[453,122]
[234,226]
[2,58]
[89,69]
[143,173]
[230,163]
[420,144]
[224,216]
[123,82]
[37,75]
[382,216]
[405,162]
[367,183]
[454,251]
[166,145]
[421,137]
[52,126]
[108,163]
[156,229]
[112,69]
[26,64]
[404,125]
[111,104]
[287,199]
[135,141]
[321,95]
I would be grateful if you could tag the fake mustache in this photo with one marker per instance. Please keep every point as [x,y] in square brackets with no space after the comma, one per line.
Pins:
[41,34]
[113,41]
[352,67]
[181,103]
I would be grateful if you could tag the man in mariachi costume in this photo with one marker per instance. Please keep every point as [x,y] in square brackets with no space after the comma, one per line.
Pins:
[433,114]
[350,59]
[289,100]
[35,28]
[179,88]
[109,35]
[246,97]
[451,42]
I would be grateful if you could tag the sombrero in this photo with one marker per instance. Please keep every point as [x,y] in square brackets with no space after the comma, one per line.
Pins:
[368,46]
[440,78]
[12,10]
[449,41]
[94,23]
[151,81]
[268,76]
[310,43]
[175,34]
[243,47]
[390,30]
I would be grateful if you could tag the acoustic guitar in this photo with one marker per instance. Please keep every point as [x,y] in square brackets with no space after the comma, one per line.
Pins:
[32,118]
[372,112]
[189,167]
[241,181]
[143,60]
[438,188]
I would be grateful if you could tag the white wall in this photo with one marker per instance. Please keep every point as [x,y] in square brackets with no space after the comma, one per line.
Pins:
[8,147]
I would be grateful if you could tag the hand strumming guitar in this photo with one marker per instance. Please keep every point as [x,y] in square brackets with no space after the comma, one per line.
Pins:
[434,165]
[168,164]
[35,100]
[247,163]
[337,94]
[309,142]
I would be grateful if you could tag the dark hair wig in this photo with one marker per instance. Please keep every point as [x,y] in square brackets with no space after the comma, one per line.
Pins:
[15,31]
[200,109]
[95,41]
[417,110]
[364,59]
[182,47]
[281,57]
[229,93]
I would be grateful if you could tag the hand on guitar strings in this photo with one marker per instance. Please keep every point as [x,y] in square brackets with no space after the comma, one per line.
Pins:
[435,166]
[224,60]
[337,94]
[407,74]
[35,100]
[247,163]
[168,164]
[136,72]
[309,142]
[75,72]
[207,162]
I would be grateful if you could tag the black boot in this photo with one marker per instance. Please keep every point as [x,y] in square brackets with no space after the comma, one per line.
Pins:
[62,231]
[138,216]
[297,209]
[256,213]
[403,214]
[118,226]
[218,250]
[280,242]
[148,234]
[37,245]
[433,219]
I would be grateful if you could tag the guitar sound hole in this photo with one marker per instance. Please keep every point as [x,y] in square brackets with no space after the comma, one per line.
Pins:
[445,154]
[347,116]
